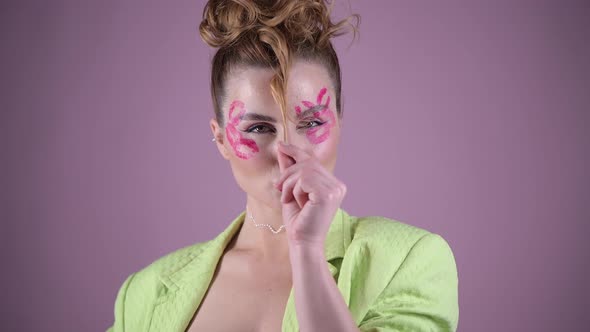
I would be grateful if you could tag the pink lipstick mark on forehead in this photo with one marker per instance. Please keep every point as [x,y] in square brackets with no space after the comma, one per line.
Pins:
[321,96]
[308,104]
[317,135]
[244,148]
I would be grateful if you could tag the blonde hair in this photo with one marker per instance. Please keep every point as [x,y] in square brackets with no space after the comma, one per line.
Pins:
[269,33]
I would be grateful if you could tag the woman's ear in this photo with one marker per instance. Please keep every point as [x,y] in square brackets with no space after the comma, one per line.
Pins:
[218,135]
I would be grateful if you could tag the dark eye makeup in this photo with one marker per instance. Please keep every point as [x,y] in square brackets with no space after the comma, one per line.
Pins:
[260,129]
[312,123]
[264,129]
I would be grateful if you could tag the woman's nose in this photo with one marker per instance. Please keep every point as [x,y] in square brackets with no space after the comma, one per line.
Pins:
[298,140]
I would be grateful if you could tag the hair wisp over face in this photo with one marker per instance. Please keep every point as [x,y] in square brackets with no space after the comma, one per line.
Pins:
[270,34]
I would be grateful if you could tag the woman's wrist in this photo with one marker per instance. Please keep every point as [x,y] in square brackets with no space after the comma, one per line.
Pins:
[306,253]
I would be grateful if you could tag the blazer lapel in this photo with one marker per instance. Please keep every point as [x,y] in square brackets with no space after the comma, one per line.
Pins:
[184,284]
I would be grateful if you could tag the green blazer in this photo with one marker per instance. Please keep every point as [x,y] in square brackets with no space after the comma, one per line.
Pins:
[392,276]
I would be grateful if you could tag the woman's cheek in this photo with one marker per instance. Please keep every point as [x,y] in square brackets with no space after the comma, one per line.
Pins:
[244,148]
[319,134]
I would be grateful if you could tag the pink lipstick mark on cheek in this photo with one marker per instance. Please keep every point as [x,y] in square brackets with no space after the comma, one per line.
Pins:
[319,134]
[244,148]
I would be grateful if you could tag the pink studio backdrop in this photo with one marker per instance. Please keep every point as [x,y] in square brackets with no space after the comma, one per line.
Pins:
[469,119]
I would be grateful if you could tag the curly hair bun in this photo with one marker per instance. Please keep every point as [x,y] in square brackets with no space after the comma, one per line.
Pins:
[225,21]
[301,22]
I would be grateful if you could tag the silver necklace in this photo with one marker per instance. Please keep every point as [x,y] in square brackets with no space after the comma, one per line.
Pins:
[267,225]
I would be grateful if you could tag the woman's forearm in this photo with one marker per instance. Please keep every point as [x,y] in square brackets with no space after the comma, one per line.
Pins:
[318,302]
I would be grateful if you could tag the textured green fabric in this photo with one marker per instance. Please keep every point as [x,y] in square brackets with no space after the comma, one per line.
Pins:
[393,277]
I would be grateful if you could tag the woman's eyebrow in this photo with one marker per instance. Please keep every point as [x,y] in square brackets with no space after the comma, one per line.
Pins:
[257,117]
[309,112]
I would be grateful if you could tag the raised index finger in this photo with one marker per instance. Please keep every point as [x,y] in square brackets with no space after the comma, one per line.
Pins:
[285,160]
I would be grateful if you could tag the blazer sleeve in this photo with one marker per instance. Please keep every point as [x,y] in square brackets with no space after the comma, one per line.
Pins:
[422,295]
[119,323]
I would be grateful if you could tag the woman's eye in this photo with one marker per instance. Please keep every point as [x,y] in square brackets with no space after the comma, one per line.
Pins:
[311,124]
[259,129]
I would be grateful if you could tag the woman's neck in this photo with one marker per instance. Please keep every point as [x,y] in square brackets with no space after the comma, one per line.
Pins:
[261,240]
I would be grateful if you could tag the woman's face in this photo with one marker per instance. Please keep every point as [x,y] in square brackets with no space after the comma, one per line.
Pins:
[254,124]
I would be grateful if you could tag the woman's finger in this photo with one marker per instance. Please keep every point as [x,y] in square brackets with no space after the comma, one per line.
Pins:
[287,190]
[294,152]
[287,173]
[300,194]
[318,196]
[319,187]
[285,161]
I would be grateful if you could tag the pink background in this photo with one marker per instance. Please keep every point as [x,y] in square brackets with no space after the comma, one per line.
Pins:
[469,119]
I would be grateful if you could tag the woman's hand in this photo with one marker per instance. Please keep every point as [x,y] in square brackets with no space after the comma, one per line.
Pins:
[310,196]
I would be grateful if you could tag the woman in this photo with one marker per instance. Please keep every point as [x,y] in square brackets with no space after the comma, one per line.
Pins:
[293,259]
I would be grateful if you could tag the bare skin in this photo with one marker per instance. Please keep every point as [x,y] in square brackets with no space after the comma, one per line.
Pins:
[247,293]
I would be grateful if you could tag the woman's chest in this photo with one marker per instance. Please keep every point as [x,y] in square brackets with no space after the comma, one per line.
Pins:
[238,301]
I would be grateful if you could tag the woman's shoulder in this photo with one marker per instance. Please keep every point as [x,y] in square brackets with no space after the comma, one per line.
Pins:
[142,288]
[374,225]
[394,238]
[146,286]
[383,230]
